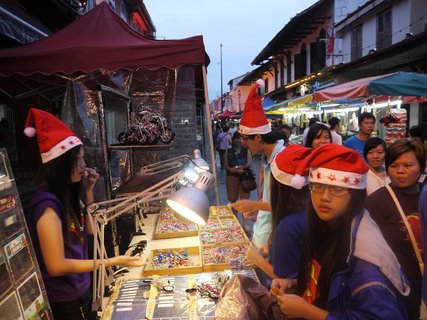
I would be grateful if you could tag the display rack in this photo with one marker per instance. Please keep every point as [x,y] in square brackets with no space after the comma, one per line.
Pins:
[22,293]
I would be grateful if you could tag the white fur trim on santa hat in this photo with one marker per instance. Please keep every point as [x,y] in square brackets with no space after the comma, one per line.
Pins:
[298,181]
[255,130]
[286,178]
[59,149]
[338,178]
[30,132]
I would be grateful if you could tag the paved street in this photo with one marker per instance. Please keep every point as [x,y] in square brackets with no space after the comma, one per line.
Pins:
[222,187]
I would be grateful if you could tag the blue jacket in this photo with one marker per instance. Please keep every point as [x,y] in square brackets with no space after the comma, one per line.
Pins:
[423,217]
[372,286]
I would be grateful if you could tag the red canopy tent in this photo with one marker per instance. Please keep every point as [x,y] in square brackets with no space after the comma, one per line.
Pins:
[226,114]
[100,40]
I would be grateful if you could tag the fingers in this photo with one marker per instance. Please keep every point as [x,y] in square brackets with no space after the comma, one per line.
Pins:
[91,173]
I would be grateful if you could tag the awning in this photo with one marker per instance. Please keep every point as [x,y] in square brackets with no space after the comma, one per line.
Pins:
[301,100]
[393,84]
[100,40]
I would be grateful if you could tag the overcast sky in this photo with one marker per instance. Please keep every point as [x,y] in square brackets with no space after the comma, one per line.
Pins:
[244,27]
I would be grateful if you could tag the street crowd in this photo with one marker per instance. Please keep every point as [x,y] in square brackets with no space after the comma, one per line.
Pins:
[339,229]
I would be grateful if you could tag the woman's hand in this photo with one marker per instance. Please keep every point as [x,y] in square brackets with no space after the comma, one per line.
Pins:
[245,205]
[126,261]
[89,179]
[253,255]
[292,306]
[280,286]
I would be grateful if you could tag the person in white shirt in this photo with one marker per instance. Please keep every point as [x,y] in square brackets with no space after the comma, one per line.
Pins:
[374,153]
[310,123]
[334,126]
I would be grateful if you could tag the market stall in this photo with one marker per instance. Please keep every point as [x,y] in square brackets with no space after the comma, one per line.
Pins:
[99,75]
[383,96]
[103,70]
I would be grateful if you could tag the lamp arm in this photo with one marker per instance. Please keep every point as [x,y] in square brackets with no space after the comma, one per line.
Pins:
[98,218]
[132,201]
[165,165]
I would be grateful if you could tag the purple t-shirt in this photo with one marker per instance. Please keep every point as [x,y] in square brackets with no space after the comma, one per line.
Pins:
[62,288]
[288,242]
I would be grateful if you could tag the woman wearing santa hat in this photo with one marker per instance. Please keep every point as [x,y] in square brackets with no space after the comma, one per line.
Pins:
[56,222]
[289,205]
[348,271]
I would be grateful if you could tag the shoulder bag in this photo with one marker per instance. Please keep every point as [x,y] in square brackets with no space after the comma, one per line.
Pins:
[408,228]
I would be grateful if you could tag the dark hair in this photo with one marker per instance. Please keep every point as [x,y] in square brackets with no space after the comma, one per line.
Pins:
[313,121]
[330,247]
[236,135]
[402,146]
[285,126]
[225,129]
[285,200]
[366,115]
[333,122]
[314,131]
[281,135]
[372,143]
[269,138]
[416,132]
[55,176]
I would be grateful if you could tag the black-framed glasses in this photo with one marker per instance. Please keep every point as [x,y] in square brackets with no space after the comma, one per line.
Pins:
[244,138]
[333,190]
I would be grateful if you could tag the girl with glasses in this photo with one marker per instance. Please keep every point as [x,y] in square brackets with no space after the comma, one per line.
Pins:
[347,270]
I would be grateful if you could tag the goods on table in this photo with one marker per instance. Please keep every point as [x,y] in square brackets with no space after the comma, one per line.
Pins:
[217,258]
[174,261]
[170,226]
[223,236]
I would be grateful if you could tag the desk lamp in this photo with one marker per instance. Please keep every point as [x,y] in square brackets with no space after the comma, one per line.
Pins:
[192,202]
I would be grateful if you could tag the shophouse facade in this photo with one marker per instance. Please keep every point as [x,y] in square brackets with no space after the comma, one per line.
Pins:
[380,37]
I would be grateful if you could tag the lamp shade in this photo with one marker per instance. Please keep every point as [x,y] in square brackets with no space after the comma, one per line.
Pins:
[193,203]
[200,163]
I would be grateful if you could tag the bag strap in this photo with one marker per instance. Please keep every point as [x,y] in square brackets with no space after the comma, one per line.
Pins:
[408,227]
[222,138]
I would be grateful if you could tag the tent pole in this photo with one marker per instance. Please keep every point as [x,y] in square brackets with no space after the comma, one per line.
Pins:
[211,143]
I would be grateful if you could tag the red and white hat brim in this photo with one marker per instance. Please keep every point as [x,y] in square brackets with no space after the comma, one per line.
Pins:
[287,178]
[60,148]
[255,130]
[338,178]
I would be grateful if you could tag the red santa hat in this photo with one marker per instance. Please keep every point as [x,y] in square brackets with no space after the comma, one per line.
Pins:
[286,162]
[53,136]
[253,119]
[335,165]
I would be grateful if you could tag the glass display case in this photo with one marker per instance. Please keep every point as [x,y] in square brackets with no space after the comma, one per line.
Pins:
[22,293]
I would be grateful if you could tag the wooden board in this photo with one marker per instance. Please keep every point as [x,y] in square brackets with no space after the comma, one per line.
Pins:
[169,225]
[194,265]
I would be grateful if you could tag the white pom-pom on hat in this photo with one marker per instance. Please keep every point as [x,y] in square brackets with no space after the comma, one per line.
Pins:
[30,132]
[298,181]
[260,83]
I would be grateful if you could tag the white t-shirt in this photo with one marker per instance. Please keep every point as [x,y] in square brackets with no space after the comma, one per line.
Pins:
[373,182]
[336,138]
